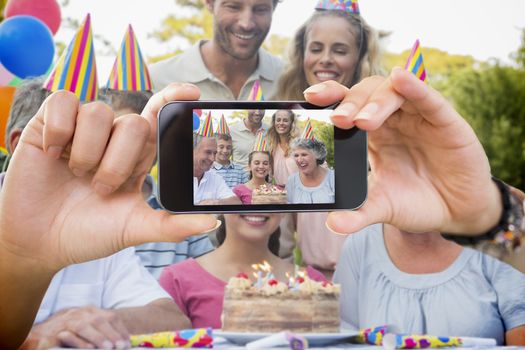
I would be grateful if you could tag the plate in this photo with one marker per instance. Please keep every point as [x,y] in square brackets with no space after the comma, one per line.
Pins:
[314,339]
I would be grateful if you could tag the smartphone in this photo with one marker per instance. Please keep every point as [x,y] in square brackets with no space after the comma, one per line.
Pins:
[319,167]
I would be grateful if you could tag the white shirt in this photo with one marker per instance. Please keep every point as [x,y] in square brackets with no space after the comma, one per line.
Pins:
[212,186]
[110,283]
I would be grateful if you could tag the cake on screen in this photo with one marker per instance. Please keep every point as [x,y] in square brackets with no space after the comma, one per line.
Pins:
[269,194]
[268,305]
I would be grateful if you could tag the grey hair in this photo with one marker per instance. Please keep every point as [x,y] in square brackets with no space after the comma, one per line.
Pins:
[317,147]
[197,139]
[28,97]
[134,100]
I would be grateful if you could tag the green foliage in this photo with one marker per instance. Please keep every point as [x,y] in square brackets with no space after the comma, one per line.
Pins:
[492,100]
[2,5]
[184,29]
[276,45]
[519,56]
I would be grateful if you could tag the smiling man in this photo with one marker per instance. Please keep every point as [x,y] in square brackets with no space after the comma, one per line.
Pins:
[226,67]
[209,187]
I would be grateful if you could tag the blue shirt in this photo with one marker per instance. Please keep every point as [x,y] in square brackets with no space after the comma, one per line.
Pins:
[233,174]
[476,296]
[157,255]
[299,193]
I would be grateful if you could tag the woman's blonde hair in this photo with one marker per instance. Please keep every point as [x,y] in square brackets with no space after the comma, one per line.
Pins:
[293,81]
[273,136]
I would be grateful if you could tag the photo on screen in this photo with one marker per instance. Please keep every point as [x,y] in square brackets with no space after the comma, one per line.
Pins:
[257,156]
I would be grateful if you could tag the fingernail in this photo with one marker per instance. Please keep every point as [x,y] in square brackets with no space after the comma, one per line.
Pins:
[121,344]
[330,229]
[102,188]
[106,345]
[78,172]
[217,225]
[314,89]
[55,151]
[345,110]
[367,111]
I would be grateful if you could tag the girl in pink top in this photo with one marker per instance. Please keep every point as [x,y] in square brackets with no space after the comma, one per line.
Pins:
[197,285]
[260,166]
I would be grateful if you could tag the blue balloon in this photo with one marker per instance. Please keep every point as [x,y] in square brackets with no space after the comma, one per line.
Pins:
[196,121]
[26,46]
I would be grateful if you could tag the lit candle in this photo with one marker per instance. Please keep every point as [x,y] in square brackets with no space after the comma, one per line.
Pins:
[258,284]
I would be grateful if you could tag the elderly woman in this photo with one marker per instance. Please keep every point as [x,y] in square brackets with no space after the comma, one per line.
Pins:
[313,183]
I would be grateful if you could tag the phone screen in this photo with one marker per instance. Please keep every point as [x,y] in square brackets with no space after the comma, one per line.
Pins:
[258,156]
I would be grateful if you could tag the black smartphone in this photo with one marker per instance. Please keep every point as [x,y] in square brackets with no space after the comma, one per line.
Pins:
[220,157]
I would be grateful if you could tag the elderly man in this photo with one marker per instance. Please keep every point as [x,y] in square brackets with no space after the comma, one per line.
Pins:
[226,67]
[208,186]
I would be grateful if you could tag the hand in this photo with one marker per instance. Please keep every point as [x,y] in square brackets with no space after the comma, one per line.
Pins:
[84,327]
[429,170]
[72,192]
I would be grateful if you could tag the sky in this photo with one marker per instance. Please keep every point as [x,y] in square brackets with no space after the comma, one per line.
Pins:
[481,28]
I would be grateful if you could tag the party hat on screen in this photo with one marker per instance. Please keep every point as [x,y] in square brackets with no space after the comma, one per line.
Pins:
[206,128]
[260,144]
[308,132]
[223,127]
[256,93]
[349,6]
[129,71]
[415,62]
[76,69]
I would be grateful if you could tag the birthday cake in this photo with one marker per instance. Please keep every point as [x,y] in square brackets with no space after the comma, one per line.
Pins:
[305,306]
[269,194]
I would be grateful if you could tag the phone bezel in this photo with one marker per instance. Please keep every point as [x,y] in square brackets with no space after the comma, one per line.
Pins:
[175,161]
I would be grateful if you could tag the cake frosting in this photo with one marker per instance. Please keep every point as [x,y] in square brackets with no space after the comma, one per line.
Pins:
[269,194]
[269,305]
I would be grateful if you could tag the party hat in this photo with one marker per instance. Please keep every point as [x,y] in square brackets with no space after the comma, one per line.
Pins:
[223,127]
[415,62]
[76,69]
[308,132]
[206,128]
[349,6]
[129,70]
[256,93]
[260,144]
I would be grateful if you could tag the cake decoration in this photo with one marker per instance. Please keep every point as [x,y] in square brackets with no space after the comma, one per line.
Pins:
[415,62]
[188,338]
[129,71]
[269,194]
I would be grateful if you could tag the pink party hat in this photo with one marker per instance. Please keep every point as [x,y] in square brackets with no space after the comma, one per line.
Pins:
[129,70]
[260,144]
[256,93]
[206,128]
[223,127]
[349,6]
[76,69]
[308,132]
[415,62]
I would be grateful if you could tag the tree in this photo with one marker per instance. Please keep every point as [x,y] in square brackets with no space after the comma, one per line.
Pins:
[492,100]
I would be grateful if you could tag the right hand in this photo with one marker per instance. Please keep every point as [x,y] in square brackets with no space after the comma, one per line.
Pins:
[83,327]
[72,191]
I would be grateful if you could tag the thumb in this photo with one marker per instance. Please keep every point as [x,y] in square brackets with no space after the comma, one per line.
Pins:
[375,210]
[150,225]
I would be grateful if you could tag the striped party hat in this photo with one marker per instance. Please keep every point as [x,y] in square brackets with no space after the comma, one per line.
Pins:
[256,93]
[76,69]
[223,127]
[260,144]
[308,132]
[349,6]
[206,128]
[415,62]
[129,71]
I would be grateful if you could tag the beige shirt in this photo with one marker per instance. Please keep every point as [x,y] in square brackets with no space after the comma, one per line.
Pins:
[189,67]
[243,140]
